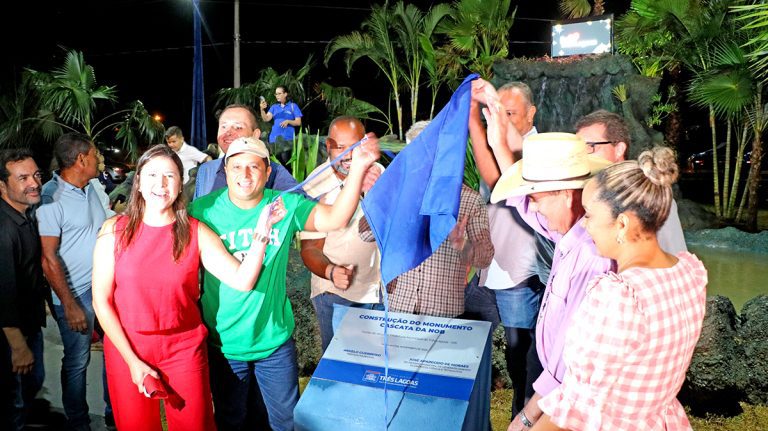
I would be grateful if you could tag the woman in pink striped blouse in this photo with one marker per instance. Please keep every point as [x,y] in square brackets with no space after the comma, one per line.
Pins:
[633,336]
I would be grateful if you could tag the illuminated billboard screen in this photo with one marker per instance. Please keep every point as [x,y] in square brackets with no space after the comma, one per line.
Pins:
[593,35]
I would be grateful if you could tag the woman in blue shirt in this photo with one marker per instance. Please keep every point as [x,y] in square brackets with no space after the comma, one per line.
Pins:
[286,114]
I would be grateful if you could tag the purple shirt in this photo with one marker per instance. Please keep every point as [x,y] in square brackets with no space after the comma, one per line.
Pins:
[575,262]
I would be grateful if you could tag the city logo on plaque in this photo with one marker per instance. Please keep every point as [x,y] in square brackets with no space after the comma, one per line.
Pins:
[371,376]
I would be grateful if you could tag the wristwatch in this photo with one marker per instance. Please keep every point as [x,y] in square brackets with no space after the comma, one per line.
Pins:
[261,238]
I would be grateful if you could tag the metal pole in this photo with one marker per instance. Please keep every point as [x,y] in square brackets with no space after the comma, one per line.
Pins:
[237,44]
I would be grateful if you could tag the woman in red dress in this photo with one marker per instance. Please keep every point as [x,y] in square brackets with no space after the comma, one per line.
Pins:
[145,294]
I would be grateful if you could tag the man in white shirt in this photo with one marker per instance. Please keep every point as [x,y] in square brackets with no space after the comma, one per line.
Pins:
[189,155]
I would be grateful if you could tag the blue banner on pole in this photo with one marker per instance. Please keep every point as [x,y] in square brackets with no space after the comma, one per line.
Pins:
[197,135]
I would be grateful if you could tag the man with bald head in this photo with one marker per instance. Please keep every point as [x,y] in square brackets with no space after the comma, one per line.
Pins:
[345,269]
[237,121]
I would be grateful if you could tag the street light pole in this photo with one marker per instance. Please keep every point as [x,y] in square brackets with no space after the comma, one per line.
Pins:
[237,44]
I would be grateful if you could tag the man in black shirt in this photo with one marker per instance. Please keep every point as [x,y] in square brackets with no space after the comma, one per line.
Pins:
[22,290]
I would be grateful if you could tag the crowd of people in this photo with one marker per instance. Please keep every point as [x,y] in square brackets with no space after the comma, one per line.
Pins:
[579,256]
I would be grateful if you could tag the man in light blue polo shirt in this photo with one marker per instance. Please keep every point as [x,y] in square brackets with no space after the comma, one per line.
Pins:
[69,220]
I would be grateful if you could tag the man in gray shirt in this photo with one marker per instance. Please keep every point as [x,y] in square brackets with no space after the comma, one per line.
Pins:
[69,220]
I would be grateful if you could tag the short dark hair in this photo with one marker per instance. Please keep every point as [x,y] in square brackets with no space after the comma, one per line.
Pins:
[10,156]
[616,129]
[174,131]
[243,106]
[69,146]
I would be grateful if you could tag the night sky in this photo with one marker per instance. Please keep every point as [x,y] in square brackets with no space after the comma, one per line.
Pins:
[144,47]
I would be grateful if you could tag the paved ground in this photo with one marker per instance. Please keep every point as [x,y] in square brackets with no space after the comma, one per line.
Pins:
[51,391]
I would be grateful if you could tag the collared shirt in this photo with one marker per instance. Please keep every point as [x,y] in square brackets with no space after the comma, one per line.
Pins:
[280,113]
[22,290]
[575,263]
[344,246]
[436,286]
[190,157]
[211,177]
[520,252]
[74,215]
[628,350]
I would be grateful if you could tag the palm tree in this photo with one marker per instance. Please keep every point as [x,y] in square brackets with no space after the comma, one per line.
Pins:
[729,88]
[754,17]
[412,28]
[581,8]
[341,101]
[264,86]
[376,43]
[693,27]
[20,126]
[69,97]
[478,30]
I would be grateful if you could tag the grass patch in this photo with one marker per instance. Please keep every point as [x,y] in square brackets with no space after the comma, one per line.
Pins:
[753,418]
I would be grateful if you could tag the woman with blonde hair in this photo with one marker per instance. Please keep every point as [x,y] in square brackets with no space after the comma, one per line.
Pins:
[633,336]
[145,294]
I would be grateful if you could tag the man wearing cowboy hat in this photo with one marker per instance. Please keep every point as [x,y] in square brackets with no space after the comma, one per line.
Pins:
[545,187]
[509,291]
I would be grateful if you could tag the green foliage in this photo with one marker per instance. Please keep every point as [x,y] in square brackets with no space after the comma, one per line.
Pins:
[304,155]
[575,8]
[660,109]
[264,86]
[727,85]
[341,101]
[22,122]
[67,98]
[375,42]
[136,127]
[71,92]
[477,31]
[471,174]
[754,21]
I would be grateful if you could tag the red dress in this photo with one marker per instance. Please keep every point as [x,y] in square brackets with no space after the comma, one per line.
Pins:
[156,301]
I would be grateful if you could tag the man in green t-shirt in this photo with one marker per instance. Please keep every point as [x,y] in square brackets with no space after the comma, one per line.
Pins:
[250,332]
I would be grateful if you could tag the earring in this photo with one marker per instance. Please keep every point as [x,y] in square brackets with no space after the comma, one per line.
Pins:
[620,239]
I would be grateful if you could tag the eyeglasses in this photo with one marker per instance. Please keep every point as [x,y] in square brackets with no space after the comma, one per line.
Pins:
[591,145]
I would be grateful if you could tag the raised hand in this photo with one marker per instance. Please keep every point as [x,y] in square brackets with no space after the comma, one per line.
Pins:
[366,153]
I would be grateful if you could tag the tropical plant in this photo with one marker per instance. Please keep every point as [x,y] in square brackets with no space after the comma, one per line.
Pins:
[753,19]
[20,126]
[341,101]
[478,31]
[297,84]
[581,8]
[693,28]
[69,97]
[376,43]
[414,29]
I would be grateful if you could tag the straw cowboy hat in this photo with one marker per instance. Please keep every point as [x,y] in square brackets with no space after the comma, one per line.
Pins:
[551,161]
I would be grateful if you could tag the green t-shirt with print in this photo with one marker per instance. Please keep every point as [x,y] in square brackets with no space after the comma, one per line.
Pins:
[249,326]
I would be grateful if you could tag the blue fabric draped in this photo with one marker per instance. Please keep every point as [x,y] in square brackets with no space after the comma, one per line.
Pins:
[197,135]
[415,203]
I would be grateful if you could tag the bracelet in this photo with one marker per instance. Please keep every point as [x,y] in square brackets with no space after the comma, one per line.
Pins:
[260,237]
[524,419]
[331,275]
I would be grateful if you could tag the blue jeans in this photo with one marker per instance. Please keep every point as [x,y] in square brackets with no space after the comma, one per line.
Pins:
[323,304]
[274,379]
[516,309]
[17,391]
[74,364]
